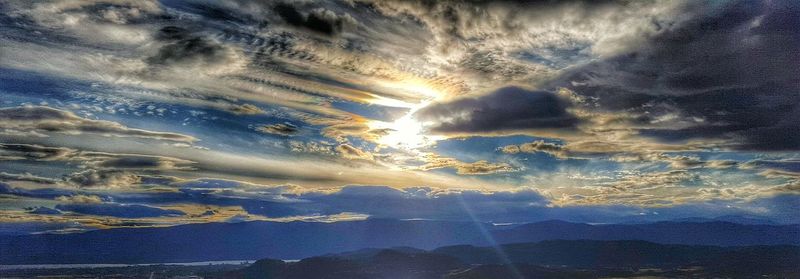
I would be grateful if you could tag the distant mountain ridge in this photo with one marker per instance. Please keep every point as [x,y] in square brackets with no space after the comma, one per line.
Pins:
[744,220]
[546,259]
[296,240]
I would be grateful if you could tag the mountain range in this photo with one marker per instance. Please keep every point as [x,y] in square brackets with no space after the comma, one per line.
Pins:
[297,240]
[546,259]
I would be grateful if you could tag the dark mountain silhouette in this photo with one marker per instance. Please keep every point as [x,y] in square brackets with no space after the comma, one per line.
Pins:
[744,220]
[691,233]
[547,259]
[383,264]
[296,240]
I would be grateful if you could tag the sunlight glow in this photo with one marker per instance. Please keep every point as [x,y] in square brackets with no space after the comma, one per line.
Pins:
[407,132]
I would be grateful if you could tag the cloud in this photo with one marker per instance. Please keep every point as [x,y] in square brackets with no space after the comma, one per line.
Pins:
[319,20]
[425,203]
[481,167]
[118,210]
[110,161]
[789,165]
[494,43]
[519,205]
[102,160]
[41,193]
[10,151]
[674,161]
[245,109]
[103,178]
[282,129]
[310,147]
[506,109]
[721,68]
[80,198]
[341,131]
[100,23]
[536,146]
[352,153]
[648,92]
[652,180]
[721,164]
[194,50]
[172,33]
[199,54]
[620,153]
[41,119]
[44,210]
[27,177]
[96,169]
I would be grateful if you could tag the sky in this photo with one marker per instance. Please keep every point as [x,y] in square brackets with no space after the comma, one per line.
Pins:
[131,113]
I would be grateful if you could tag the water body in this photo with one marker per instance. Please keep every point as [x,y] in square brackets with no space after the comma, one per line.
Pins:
[53,266]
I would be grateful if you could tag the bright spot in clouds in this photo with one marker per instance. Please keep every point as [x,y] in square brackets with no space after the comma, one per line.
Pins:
[406,132]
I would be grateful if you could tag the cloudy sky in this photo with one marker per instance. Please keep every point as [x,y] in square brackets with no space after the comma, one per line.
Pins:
[153,113]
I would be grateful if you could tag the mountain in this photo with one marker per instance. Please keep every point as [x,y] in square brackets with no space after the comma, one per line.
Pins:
[232,241]
[547,259]
[296,240]
[691,233]
[384,264]
[744,220]
[606,254]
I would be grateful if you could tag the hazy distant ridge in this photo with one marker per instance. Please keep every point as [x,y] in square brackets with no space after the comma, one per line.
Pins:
[296,240]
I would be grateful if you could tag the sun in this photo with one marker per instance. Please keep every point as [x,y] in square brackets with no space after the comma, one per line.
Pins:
[408,132]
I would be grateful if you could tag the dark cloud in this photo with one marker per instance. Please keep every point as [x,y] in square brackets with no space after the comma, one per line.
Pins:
[215,11]
[10,151]
[509,108]
[103,178]
[119,210]
[172,33]
[99,160]
[319,20]
[282,129]
[27,177]
[43,210]
[46,119]
[729,65]
[290,14]
[142,162]
[191,50]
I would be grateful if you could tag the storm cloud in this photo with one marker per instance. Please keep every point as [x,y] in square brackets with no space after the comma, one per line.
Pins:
[320,20]
[731,67]
[510,108]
